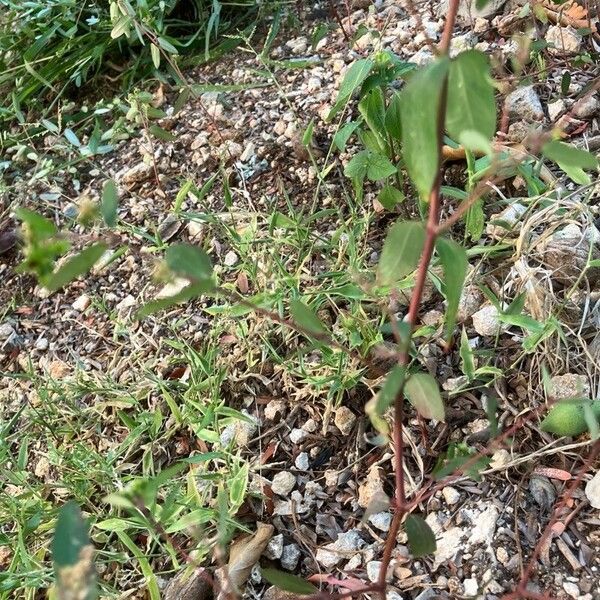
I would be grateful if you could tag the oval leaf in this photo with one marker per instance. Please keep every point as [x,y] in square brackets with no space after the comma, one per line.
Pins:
[423,393]
[421,539]
[306,318]
[569,417]
[288,582]
[376,407]
[110,202]
[420,104]
[454,262]
[190,261]
[78,265]
[566,155]
[401,252]
[471,106]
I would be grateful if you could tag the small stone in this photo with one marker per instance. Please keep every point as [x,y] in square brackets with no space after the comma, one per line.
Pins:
[484,526]
[371,488]
[502,555]
[347,542]
[42,344]
[249,152]
[290,557]
[6,330]
[471,587]
[344,420]
[592,490]
[448,544]
[556,108]
[567,386]
[470,301]
[543,492]
[231,259]
[451,495]
[524,103]
[137,174]
[297,45]
[126,303]
[507,223]
[298,435]
[302,462]
[571,589]
[274,548]
[500,459]
[274,408]
[381,521]
[81,303]
[239,431]
[195,229]
[283,483]
[310,426]
[563,40]
[454,383]
[373,568]
[422,57]
[486,321]
[42,468]
[313,84]
[461,43]
[587,107]
[169,228]
[432,317]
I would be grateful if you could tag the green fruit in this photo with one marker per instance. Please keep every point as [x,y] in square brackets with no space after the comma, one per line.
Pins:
[568,417]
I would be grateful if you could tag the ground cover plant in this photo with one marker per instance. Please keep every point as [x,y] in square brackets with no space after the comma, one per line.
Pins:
[332,332]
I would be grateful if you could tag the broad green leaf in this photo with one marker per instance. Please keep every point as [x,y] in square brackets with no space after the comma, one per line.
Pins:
[288,583]
[466,356]
[567,155]
[78,265]
[155,53]
[389,196]
[393,117]
[377,405]
[454,262]
[305,317]
[72,555]
[401,252]
[70,536]
[379,167]
[161,134]
[189,261]
[110,202]
[423,393]
[481,4]
[421,539]
[355,75]
[470,105]
[576,174]
[569,417]
[372,109]
[419,108]
[39,226]
[357,166]
[191,291]
[340,139]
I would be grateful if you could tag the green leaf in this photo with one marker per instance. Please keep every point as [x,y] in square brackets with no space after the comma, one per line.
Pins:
[39,226]
[369,164]
[161,134]
[70,536]
[78,265]
[466,356]
[186,294]
[288,583]
[238,486]
[470,105]
[421,539]
[355,75]
[569,417]
[389,196]
[393,117]
[340,139]
[377,405]
[481,4]
[454,262]
[306,318]
[569,156]
[419,110]
[372,109]
[423,393]
[110,202]
[189,261]
[155,53]
[401,252]
[307,137]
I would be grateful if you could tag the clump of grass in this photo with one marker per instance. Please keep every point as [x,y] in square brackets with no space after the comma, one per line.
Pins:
[48,47]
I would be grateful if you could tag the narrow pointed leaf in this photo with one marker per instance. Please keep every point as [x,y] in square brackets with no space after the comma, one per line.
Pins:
[110,202]
[78,265]
[471,106]
[423,393]
[288,583]
[401,252]
[189,261]
[304,316]
[565,154]
[392,117]
[455,263]
[421,539]
[419,110]
[355,75]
